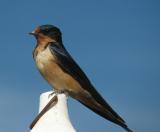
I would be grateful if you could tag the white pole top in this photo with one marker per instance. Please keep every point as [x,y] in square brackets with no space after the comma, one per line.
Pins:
[56,119]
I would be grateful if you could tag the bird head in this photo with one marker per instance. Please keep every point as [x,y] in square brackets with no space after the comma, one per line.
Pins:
[47,33]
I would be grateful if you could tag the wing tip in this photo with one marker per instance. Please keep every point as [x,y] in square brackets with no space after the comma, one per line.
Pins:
[128,129]
[123,124]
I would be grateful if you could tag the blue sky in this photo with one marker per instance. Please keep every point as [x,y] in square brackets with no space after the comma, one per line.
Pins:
[117,44]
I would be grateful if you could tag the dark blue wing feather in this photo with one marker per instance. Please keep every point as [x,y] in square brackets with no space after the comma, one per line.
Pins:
[68,65]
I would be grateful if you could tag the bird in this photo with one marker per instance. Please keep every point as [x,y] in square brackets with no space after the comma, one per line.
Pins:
[64,75]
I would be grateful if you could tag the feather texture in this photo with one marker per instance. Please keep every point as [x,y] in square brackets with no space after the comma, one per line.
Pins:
[68,65]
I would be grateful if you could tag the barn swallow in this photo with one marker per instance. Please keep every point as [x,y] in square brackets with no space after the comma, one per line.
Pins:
[60,70]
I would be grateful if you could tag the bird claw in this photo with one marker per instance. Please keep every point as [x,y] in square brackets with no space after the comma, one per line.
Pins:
[56,93]
[51,94]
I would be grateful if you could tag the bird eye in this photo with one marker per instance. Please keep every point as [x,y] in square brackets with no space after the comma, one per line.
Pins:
[46,31]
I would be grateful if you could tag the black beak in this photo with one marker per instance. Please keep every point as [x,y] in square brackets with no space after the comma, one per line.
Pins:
[32,33]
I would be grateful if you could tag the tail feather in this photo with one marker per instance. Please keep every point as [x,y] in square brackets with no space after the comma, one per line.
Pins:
[124,125]
[126,128]
[109,116]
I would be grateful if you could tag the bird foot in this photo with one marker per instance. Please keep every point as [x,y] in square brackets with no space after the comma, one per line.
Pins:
[56,92]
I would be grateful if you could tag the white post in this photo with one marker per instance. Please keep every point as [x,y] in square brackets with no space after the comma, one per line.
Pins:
[56,119]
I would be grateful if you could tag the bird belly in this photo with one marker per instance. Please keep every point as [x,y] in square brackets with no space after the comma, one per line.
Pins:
[55,76]
[60,80]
